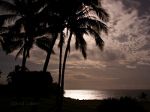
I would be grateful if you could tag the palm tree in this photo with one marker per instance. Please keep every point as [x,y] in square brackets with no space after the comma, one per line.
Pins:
[80,22]
[46,20]
[49,52]
[9,43]
[46,44]
[55,22]
[23,17]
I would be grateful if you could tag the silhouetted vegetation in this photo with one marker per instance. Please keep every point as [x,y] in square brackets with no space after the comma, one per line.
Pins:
[143,96]
[124,104]
[30,82]
[21,25]
[48,104]
[43,21]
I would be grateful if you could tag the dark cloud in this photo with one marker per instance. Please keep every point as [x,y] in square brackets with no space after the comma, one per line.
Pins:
[142,6]
[112,55]
[123,38]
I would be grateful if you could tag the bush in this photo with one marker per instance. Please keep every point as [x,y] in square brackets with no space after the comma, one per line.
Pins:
[124,104]
[30,82]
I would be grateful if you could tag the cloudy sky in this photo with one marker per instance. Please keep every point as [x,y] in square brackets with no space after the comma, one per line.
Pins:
[124,63]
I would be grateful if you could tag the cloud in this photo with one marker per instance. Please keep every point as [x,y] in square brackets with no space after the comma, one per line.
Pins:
[129,32]
[131,67]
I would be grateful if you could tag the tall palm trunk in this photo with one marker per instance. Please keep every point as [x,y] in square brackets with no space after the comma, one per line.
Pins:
[60,59]
[60,70]
[63,71]
[28,42]
[24,60]
[24,55]
[49,54]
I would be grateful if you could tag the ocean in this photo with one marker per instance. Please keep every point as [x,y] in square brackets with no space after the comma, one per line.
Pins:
[104,94]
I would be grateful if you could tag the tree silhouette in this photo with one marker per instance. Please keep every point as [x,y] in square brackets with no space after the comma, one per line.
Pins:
[53,18]
[22,21]
[79,21]
[28,20]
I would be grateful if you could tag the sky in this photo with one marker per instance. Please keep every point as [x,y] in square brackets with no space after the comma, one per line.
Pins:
[123,64]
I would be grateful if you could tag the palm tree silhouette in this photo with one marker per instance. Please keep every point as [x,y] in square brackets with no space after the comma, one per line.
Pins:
[46,44]
[55,21]
[34,22]
[80,22]
[22,21]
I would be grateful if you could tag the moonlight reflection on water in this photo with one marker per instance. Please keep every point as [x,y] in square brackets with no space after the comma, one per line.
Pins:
[104,94]
[85,94]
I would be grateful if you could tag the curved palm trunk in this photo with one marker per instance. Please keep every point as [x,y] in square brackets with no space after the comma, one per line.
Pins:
[49,54]
[47,61]
[63,72]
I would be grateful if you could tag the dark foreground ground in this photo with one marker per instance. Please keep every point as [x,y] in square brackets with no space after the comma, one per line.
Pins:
[48,104]
[36,92]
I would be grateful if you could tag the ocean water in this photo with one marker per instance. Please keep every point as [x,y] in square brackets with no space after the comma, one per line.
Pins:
[104,94]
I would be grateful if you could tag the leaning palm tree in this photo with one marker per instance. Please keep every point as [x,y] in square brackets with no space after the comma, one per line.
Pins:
[81,22]
[23,17]
[45,44]
[55,21]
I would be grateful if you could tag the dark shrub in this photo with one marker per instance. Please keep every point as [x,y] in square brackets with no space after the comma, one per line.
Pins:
[124,104]
[30,82]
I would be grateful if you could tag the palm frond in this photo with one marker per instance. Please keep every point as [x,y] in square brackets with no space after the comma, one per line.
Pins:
[81,43]
[38,5]
[3,30]
[15,45]
[102,14]
[83,47]
[7,17]
[19,52]
[44,43]
[95,24]
[10,46]
[7,6]
[16,28]
[9,36]
[98,39]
